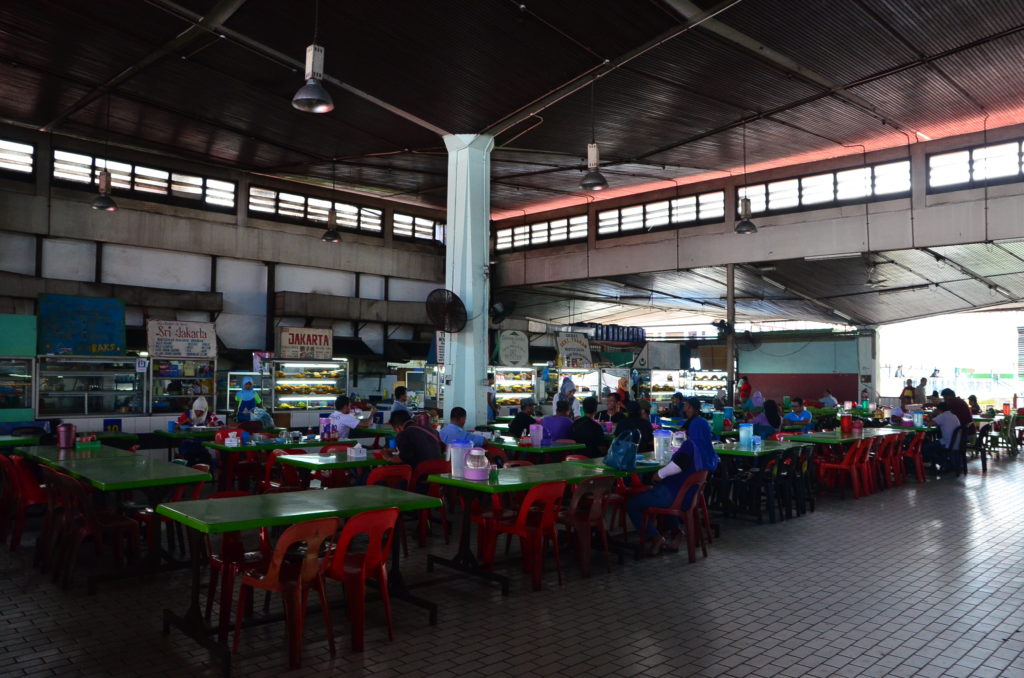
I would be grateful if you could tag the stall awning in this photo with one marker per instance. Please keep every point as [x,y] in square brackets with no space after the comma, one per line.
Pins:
[404,351]
[353,349]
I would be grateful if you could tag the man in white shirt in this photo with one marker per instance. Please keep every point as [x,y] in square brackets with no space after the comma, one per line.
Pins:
[343,421]
[829,400]
[937,452]
[401,396]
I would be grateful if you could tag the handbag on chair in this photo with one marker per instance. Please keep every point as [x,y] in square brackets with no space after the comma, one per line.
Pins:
[622,452]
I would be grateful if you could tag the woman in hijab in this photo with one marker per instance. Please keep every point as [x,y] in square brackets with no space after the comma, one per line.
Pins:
[567,393]
[769,422]
[246,400]
[199,414]
[754,402]
[696,454]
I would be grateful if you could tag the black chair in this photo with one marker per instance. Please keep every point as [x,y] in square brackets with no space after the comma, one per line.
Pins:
[957,451]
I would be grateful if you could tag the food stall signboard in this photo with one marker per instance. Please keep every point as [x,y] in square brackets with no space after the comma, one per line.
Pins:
[513,349]
[573,349]
[71,325]
[177,339]
[305,343]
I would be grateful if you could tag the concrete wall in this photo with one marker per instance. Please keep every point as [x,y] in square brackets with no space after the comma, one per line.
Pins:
[51,232]
[921,220]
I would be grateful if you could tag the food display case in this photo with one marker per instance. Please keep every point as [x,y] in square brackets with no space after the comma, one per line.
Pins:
[664,383]
[302,385]
[176,382]
[87,385]
[512,384]
[434,394]
[705,382]
[16,382]
[232,384]
[587,380]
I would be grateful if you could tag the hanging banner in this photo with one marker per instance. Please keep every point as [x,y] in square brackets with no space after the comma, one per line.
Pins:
[658,356]
[573,349]
[177,339]
[259,358]
[305,343]
[440,347]
[513,348]
[80,325]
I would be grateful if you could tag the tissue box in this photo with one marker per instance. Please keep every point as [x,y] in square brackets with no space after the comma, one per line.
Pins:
[356,453]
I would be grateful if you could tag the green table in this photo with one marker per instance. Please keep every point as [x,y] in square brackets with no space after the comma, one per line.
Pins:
[839,438]
[117,435]
[502,419]
[515,479]
[768,448]
[229,516]
[16,441]
[318,462]
[546,450]
[598,463]
[135,473]
[378,432]
[175,437]
[53,456]
[227,455]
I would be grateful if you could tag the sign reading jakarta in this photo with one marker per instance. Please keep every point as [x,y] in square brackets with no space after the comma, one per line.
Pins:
[176,339]
[305,343]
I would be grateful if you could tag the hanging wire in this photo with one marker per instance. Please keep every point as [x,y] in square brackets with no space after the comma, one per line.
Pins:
[316,21]
[593,136]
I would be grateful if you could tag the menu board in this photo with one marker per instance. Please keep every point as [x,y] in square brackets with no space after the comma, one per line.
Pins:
[513,349]
[573,349]
[305,343]
[176,339]
[72,325]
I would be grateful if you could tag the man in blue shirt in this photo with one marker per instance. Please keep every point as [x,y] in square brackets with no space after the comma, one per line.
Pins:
[799,415]
[456,429]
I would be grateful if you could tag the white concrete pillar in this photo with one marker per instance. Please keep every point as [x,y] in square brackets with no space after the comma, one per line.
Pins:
[867,357]
[466,270]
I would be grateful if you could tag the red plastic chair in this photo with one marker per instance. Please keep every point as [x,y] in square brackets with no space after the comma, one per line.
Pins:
[238,465]
[21,491]
[586,513]
[290,481]
[577,457]
[915,455]
[686,511]
[292,579]
[353,568]
[831,473]
[233,553]
[534,525]
[338,477]
[424,469]
[397,477]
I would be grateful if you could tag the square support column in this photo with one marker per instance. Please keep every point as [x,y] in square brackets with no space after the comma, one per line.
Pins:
[467,270]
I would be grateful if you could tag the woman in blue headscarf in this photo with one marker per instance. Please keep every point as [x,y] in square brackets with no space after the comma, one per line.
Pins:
[696,454]
[567,393]
[246,400]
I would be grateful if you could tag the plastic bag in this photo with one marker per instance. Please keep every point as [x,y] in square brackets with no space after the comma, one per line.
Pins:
[622,452]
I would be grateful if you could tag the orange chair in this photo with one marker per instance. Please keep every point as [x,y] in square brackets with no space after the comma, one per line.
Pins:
[292,579]
[234,556]
[21,491]
[534,525]
[424,469]
[685,508]
[151,521]
[577,457]
[289,476]
[353,568]
[915,455]
[586,513]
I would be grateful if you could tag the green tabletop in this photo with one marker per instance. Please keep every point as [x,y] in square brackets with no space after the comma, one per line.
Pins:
[117,435]
[543,449]
[134,472]
[287,445]
[52,455]
[318,462]
[382,430]
[643,466]
[14,441]
[183,435]
[214,516]
[838,437]
[523,477]
[768,448]
[502,419]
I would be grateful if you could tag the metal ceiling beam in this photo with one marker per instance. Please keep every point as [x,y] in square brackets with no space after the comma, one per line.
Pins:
[292,63]
[805,297]
[687,10]
[220,13]
[998,289]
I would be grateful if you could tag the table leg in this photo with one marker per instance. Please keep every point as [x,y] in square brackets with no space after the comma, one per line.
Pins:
[397,587]
[464,560]
[192,623]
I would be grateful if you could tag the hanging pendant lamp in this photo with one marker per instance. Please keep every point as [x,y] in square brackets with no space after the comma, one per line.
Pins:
[745,226]
[593,180]
[312,97]
[103,201]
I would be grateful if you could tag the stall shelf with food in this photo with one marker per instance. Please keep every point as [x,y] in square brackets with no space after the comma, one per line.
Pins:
[664,383]
[705,383]
[88,385]
[302,385]
[512,384]
[231,384]
[586,379]
[176,382]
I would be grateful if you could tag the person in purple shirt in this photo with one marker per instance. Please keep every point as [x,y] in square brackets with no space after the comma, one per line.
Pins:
[558,426]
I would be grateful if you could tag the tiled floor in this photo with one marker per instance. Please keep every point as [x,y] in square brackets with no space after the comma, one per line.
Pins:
[917,581]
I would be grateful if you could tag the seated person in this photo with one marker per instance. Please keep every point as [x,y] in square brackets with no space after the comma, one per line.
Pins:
[455,430]
[520,424]
[557,425]
[769,422]
[696,454]
[636,421]
[199,414]
[414,443]
[972,402]
[588,432]
[799,415]
[613,409]
[829,400]
[342,419]
[936,452]
[754,402]
[401,399]
[675,407]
